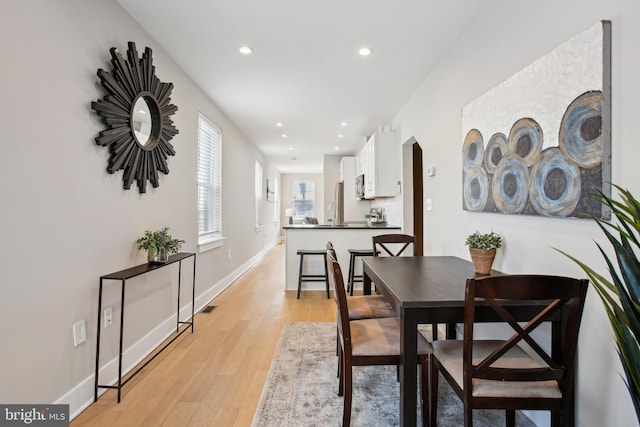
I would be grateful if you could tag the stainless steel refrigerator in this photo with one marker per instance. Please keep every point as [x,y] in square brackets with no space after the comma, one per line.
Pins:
[337,217]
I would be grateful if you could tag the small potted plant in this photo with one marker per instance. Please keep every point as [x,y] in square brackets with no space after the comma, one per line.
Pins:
[482,248]
[159,245]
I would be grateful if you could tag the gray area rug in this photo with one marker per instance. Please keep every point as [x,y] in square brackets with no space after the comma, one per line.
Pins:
[301,388]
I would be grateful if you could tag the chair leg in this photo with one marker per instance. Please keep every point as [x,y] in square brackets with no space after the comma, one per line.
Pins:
[326,275]
[560,418]
[468,415]
[510,415]
[348,391]
[350,277]
[300,275]
[433,380]
[339,360]
[341,373]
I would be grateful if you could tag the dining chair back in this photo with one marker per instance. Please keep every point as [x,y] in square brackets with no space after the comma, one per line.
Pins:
[394,245]
[516,373]
[367,342]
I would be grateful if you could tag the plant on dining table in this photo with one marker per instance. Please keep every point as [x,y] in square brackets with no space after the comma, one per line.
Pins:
[482,248]
[621,295]
[479,240]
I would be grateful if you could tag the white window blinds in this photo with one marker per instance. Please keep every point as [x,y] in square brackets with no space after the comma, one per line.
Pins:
[209,180]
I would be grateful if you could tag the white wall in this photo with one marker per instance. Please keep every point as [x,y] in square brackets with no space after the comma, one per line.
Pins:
[65,222]
[505,38]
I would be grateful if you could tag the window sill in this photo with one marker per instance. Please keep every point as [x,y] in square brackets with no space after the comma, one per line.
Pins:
[209,244]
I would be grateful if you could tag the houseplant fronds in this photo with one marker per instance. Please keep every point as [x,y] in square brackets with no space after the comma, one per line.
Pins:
[621,295]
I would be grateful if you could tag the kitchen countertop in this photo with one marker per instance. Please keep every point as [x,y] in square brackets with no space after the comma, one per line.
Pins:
[356,226]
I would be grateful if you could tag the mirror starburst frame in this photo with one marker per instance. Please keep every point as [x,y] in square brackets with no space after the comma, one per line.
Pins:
[133,79]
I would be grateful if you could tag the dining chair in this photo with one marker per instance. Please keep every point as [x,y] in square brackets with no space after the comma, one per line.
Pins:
[368,342]
[388,244]
[501,374]
[365,306]
[361,306]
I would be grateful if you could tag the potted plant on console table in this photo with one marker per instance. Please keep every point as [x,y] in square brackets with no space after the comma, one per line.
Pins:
[159,245]
[482,248]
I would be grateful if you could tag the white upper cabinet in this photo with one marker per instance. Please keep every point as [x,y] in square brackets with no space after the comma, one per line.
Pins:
[380,163]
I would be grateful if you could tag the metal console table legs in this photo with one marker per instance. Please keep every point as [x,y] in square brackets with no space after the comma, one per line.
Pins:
[122,276]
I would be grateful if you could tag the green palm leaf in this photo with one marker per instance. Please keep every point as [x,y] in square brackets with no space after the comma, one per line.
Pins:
[620,295]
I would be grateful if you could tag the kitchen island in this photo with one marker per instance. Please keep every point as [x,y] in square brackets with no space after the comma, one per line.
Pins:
[314,236]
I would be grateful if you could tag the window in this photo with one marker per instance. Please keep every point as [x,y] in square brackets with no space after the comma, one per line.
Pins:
[303,196]
[258,189]
[209,184]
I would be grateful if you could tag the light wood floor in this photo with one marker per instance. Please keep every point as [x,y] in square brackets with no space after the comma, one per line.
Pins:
[215,376]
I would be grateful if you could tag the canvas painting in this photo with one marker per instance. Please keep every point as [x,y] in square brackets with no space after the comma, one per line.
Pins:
[540,142]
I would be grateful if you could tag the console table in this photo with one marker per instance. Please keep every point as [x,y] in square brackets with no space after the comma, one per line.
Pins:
[123,276]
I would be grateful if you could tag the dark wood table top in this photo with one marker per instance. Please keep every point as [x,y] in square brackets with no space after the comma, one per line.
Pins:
[432,281]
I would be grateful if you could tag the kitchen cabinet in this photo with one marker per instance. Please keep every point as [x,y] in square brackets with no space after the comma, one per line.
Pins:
[380,163]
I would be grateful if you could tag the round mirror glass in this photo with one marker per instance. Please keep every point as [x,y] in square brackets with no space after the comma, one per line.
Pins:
[141,122]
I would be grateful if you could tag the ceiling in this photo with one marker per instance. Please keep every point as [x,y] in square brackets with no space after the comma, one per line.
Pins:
[305,71]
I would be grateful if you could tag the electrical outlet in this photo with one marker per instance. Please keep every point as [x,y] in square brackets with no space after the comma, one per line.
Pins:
[108,317]
[229,254]
[79,333]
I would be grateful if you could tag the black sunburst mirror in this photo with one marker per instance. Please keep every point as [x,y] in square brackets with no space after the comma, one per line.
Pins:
[137,111]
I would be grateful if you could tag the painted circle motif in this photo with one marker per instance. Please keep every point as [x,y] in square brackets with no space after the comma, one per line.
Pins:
[580,136]
[472,150]
[497,148]
[554,188]
[510,184]
[525,139]
[475,190]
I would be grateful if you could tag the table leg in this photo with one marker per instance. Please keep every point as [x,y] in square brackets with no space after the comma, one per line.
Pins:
[408,362]
[95,395]
[121,342]
[366,283]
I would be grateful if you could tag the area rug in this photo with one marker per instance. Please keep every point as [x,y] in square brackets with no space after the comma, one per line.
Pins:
[301,388]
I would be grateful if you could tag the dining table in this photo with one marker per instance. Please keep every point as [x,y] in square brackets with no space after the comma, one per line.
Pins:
[431,290]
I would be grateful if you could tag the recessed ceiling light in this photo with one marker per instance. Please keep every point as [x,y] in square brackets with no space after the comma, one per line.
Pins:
[343,124]
[364,51]
[284,135]
[290,148]
[340,135]
[245,50]
[279,124]
[336,148]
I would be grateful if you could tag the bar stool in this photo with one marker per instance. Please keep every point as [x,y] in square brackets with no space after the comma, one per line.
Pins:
[313,277]
[353,277]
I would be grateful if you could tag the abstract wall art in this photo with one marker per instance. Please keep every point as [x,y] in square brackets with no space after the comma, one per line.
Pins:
[540,142]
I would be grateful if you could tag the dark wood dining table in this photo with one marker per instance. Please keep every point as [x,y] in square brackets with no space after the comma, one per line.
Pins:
[431,290]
